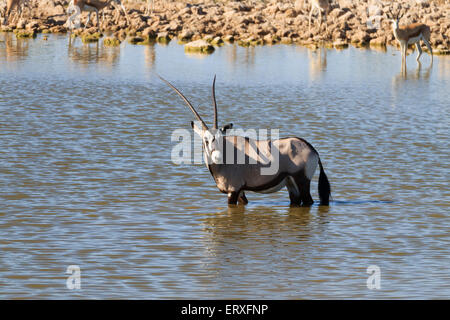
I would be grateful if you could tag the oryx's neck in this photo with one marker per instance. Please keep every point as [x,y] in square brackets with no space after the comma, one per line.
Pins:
[220,176]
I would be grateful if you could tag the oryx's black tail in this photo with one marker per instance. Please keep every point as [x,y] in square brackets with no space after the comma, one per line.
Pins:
[324,187]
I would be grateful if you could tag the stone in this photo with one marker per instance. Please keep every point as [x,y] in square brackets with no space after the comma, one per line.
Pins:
[199,46]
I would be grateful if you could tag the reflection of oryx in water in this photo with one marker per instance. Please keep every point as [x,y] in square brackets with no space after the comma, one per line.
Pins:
[76,7]
[273,226]
[265,166]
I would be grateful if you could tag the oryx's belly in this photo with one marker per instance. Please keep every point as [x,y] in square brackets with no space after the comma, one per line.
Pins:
[276,188]
[415,39]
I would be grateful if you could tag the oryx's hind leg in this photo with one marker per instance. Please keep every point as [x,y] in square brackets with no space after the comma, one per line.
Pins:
[294,192]
[304,186]
[242,198]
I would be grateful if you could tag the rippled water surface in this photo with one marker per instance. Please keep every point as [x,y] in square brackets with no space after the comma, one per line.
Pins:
[86,177]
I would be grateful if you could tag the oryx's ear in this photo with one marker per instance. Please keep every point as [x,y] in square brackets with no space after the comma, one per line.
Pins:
[197,129]
[226,127]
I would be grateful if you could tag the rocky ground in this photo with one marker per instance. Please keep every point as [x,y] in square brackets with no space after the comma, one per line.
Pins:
[356,22]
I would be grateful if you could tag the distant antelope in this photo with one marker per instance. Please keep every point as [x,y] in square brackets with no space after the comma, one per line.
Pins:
[410,34]
[150,7]
[297,162]
[78,6]
[320,5]
[10,5]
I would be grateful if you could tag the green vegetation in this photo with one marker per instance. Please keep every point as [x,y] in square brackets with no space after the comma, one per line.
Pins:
[22,34]
[111,42]
[88,38]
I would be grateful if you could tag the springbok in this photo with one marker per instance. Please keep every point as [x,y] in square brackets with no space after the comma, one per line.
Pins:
[320,5]
[78,6]
[10,5]
[410,34]
[296,161]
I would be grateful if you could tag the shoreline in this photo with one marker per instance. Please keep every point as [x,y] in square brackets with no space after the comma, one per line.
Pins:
[248,23]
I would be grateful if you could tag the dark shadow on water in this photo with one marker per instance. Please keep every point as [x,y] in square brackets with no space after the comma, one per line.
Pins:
[255,204]
[350,202]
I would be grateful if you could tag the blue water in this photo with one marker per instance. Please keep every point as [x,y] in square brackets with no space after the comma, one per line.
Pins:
[86,176]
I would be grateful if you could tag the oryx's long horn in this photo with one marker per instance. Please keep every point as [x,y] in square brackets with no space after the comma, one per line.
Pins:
[187,102]
[214,103]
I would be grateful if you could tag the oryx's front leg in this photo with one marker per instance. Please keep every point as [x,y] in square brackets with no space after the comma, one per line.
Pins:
[233,197]
[294,193]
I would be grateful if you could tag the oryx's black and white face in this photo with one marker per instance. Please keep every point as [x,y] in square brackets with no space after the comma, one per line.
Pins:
[212,139]
[212,143]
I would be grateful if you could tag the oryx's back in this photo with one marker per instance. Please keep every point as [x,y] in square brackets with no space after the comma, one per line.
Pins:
[246,159]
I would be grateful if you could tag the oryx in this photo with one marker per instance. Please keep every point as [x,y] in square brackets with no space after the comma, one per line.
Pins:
[296,160]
